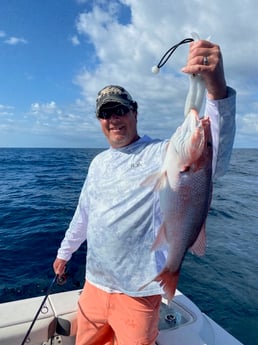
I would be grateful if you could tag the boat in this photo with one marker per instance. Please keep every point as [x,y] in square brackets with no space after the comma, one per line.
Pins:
[181,322]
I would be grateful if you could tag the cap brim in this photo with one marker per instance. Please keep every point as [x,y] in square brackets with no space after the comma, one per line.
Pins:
[114,102]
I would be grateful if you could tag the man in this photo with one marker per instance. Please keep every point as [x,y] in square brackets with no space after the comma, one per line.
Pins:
[120,218]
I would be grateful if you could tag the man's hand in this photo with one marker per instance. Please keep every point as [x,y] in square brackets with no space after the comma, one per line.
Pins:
[205,58]
[59,266]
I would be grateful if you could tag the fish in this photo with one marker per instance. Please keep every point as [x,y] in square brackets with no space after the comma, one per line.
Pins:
[184,184]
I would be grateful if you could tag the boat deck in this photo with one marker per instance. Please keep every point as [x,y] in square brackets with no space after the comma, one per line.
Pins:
[181,322]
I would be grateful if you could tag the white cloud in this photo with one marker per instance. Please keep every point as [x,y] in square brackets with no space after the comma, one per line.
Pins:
[128,37]
[2,106]
[75,40]
[6,111]
[15,40]
[248,123]
[70,122]
[44,108]
[12,40]
[126,53]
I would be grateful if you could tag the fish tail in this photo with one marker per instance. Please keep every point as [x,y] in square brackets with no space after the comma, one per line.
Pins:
[168,281]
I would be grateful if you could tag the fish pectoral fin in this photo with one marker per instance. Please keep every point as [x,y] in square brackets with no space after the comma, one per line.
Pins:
[199,246]
[161,237]
[158,180]
[150,180]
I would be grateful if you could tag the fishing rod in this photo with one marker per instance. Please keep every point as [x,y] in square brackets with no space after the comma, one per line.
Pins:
[60,280]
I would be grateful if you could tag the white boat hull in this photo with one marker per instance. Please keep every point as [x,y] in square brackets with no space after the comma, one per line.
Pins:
[182,323]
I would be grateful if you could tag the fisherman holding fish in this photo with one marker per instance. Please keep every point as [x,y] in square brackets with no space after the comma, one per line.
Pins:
[133,195]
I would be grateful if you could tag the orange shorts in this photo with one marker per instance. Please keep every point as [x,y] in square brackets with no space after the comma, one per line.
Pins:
[116,319]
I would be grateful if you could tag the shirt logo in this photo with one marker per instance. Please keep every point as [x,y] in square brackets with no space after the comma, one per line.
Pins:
[137,164]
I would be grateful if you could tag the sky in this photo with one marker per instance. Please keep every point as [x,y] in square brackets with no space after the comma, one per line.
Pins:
[55,55]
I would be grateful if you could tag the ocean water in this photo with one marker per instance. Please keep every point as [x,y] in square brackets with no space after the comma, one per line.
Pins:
[39,193]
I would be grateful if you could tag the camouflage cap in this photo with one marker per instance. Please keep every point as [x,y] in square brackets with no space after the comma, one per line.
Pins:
[113,94]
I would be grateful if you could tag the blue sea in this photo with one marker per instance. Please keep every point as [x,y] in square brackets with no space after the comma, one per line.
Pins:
[39,193]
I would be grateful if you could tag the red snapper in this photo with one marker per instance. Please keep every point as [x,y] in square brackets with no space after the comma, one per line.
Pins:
[185,189]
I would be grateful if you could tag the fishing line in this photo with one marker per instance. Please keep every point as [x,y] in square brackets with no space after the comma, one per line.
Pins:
[167,55]
[60,280]
[196,91]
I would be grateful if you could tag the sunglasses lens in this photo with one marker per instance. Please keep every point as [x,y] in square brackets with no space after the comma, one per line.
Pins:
[104,114]
[120,110]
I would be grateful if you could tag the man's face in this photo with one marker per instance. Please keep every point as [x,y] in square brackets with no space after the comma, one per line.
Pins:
[120,131]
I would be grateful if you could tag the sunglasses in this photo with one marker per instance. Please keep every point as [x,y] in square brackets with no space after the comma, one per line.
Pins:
[119,110]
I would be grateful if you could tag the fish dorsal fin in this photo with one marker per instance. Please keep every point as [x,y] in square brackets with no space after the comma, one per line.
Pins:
[199,246]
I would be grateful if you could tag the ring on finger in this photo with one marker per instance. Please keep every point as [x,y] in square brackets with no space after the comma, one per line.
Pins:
[205,60]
